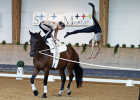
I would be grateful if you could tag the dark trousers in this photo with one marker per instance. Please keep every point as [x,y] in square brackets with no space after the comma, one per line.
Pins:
[45,31]
[95,28]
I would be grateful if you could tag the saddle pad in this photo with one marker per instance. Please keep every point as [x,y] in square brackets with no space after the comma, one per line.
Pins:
[60,47]
[56,49]
[56,57]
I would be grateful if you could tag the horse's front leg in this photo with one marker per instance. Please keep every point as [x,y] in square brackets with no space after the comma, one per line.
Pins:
[63,79]
[35,72]
[46,74]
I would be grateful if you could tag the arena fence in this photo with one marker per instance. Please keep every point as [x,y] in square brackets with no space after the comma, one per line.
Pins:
[20,74]
[52,78]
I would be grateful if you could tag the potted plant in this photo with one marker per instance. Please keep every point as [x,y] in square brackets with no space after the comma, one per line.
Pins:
[139,46]
[69,44]
[77,44]
[84,48]
[108,45]
[132,46]
[18,42]
[124,46]
[116,48]
[25,46]
[20,70]
[20,63]
[62,42]
[3,42]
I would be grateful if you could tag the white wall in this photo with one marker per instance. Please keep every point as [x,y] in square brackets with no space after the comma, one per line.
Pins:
[124,22]
[5,21]
[55,6]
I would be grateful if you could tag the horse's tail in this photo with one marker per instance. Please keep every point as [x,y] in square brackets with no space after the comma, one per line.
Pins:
[78,73]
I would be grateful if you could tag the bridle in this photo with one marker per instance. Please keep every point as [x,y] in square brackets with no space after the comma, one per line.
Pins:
[36,50]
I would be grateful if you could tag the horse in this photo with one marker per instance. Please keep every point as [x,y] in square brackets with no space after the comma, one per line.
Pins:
[44,63]
[97,38]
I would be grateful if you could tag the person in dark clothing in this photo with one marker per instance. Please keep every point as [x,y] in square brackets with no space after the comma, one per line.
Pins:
[48,27]
[97,38]
[95,28]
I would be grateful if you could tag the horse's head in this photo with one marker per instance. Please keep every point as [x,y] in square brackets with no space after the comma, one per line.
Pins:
[34,43]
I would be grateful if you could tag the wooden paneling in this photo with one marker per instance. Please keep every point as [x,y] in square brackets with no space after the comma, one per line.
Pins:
[103,13]
[16,20]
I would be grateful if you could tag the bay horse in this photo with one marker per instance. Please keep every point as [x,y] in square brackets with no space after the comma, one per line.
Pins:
[44,63]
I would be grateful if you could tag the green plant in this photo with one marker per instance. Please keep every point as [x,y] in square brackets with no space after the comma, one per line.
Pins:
[20,63]
[108,45]
[25,46]
[84,48]
[139,46]
[132,46]
[62,42]
[18,42]
[3,42]
[116,48]
[69,44]
[77,44]
[124,46]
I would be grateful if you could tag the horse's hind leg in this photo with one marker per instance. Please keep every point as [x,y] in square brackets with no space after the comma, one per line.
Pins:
[70,80]
[35,72]
[63,79]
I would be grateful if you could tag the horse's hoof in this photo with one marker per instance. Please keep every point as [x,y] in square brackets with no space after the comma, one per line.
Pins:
[59,94]
[35,93]
[69,93]
[44,95]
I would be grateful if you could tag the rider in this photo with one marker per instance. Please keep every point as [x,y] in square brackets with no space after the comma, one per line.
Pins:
[96,28]
[48,27]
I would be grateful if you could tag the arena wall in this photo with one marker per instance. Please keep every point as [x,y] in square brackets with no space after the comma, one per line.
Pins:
[125,57]
[6,21]
[124,23]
